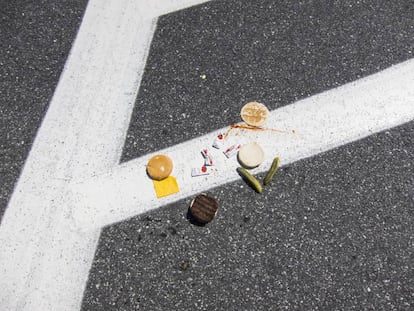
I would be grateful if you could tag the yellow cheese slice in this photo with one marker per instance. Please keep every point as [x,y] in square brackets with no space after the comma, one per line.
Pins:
[165,186]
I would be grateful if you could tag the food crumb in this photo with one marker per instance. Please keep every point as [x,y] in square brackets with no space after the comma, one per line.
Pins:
[185,265]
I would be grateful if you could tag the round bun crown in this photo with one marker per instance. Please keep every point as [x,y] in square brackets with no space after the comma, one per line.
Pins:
[159,167]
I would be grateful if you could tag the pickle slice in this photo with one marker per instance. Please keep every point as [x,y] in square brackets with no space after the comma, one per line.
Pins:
[272,171]
[250,179]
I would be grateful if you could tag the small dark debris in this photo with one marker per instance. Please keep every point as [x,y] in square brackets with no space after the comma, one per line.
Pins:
[172,230]
[150,219]
[185,265]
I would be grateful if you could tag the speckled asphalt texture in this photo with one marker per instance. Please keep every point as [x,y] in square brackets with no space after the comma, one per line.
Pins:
[36,37]
[332,232]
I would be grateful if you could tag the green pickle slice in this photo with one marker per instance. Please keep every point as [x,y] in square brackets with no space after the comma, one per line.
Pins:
[272,171]
[250,179]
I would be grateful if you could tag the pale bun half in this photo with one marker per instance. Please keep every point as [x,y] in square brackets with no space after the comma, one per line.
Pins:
[250,155]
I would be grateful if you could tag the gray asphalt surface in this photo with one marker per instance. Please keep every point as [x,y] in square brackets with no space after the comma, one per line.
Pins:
[333,232]
[36,37]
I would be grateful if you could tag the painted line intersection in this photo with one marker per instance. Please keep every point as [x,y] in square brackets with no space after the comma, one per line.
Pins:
[45,260]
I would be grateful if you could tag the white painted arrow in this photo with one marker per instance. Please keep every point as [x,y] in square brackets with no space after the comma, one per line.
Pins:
[44,255]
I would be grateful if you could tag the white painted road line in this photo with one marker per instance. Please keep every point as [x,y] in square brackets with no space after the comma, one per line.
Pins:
[321,122]
[155,8]
[44,259]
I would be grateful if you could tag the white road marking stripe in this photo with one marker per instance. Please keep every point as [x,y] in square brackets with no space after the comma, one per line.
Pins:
[44,260]
[321,122]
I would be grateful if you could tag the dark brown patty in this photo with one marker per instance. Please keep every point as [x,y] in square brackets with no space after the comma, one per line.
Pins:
[203,208]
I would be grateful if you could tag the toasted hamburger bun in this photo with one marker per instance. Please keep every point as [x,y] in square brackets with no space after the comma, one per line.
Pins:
[254,114]
[159,167]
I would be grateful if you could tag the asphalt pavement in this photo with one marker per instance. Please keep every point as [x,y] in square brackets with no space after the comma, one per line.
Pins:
[332,232]
[36,38]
